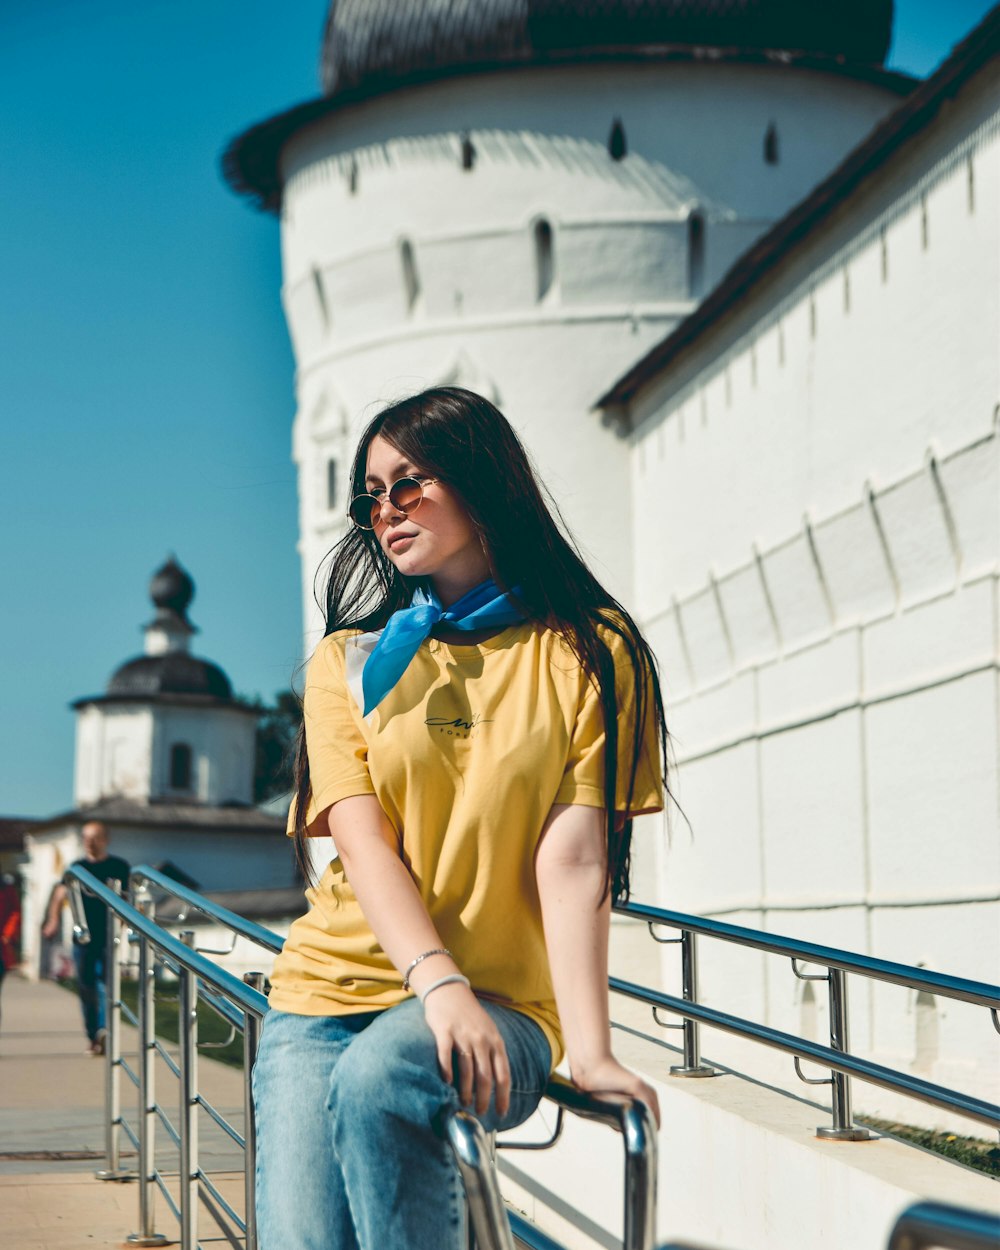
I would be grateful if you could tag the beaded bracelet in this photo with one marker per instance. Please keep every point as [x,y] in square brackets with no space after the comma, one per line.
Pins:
[453,978]
[439,950]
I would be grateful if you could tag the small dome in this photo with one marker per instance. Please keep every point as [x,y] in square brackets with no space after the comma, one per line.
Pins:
[369,41]
[175,672]
[172,587]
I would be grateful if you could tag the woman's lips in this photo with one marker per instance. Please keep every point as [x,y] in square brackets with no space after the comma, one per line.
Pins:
[399,542]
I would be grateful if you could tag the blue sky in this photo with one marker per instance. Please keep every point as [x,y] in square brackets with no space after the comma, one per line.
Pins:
[146,380]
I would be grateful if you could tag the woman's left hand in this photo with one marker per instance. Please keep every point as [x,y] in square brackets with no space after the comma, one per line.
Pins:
[608,1076]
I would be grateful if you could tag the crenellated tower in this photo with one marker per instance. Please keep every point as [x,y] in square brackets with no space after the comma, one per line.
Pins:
[523,197]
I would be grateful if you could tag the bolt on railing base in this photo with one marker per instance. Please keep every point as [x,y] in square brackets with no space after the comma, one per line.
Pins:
[147,1239]
[702,1069]
[828,1133]
[116,1174]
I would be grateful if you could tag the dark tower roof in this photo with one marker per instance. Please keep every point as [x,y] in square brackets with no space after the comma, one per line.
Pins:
[371,47]
[176,672]
[387,40]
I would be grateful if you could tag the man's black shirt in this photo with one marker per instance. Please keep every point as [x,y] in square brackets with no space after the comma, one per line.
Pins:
[95,911]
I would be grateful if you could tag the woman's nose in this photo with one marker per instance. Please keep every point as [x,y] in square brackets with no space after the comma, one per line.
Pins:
[393,510]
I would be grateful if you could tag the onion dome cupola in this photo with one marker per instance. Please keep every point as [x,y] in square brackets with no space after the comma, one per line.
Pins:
[372,47]
[168,670]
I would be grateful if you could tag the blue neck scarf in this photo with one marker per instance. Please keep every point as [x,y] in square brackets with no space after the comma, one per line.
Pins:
[483,607]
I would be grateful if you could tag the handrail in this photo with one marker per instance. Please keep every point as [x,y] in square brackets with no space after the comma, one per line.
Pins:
[245,1007]
[838,964]
[634,1120]
[841,1061]
[928,1224]
[238,924]
[245,998]
[923,1225]
[980,993]
[194,970]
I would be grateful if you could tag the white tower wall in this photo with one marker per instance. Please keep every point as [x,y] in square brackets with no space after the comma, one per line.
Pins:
[402,269]
[222,744]
[113,752]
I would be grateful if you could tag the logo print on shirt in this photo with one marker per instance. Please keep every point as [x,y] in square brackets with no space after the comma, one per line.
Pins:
[456,728]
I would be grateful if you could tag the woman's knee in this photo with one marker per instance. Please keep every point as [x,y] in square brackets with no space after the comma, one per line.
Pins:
[391,1070]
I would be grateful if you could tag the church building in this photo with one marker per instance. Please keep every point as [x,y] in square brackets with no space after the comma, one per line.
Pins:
[165,759]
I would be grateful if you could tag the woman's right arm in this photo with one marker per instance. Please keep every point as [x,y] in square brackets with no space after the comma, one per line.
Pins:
[369,850]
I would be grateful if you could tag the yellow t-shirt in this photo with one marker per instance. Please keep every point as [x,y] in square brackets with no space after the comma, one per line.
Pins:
[466,755]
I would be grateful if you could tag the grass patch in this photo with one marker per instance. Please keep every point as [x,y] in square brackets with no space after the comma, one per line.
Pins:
[975,1153]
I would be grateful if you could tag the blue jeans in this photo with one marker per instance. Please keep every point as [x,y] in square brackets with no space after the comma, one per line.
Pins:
[90,985]
[350,1152]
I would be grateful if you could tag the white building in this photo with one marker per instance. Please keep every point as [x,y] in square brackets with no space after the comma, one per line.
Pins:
[524,198]
[165,758]
[736,285]
[822,437]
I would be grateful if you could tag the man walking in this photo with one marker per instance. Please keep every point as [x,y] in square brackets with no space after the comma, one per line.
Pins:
[90,959]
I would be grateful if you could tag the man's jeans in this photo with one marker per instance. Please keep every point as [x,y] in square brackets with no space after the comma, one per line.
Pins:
[89,962]
[350,1149]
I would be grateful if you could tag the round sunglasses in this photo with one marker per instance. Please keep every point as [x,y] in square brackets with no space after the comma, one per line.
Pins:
[404,495]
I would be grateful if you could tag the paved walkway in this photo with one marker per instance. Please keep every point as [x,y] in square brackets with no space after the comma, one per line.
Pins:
[52,1130]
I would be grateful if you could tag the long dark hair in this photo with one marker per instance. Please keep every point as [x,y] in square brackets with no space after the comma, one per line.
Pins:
[461,438]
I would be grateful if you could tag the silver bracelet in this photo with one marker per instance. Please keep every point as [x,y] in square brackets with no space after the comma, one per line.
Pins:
[438,950]
[453,978]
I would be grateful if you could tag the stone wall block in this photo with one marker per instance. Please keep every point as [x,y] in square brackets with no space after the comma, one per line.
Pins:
[718,795]
[810,682]
[664,636]
[854,563]
[750,624]
[813,813]
[932,785]
[914,526]
[944,636]
[706,639]
[971,483]
[796,592]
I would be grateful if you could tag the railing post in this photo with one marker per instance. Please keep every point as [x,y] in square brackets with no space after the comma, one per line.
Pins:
[841,1129]
[639,1132]
[187,1025]
[146,1236]
[113,1171]
[251,1039]
[487,1214]
[692,1065]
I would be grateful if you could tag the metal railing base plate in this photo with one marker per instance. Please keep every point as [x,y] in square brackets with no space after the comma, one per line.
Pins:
[116,1174]
[680,1069]
[827,1133]
[150,1239]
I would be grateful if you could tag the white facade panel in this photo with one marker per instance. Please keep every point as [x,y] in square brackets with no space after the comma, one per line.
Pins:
[812,814]
[811,683]
[933,793]
[718,794]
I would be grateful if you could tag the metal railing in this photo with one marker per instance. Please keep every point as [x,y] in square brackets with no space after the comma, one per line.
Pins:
[243,1006]
[923,1225]
[950,1228]
[837,1056]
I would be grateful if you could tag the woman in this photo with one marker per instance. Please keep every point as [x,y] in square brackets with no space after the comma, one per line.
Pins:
[481,723]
